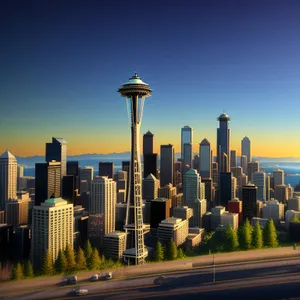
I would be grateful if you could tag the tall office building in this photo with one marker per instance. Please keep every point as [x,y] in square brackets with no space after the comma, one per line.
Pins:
[126,166]
[135,91]
[121,178]
[225,193]
[244,164]
[150,188]
[187,156]
[191,189]
[166,164]
[47,181]
[52,228]
[103,203]
[160,210]
[186,138]
[268,188]
[196,162]
[168,191]
[69,189]
[259,180]
[215,174]
[8,178]
[278,177]
[223,143]
[233,160]
[252,168]
[20,175]
[73,170]
[205,159]
[237,171]
[17,212]
[148,143]
[106,168]
[86,175]
[249,203]
[150,164]
[281,193]
[199,210]
[246,148]
[233,187]
[57,150]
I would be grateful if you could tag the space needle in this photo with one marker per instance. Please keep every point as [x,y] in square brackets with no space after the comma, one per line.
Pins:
[135,91]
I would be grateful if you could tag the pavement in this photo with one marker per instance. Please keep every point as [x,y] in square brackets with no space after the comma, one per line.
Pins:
[180,283]
[43,284]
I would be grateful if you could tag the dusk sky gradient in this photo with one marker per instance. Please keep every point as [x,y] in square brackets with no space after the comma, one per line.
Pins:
[62,62]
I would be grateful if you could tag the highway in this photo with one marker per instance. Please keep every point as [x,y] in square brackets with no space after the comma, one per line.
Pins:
[281,275]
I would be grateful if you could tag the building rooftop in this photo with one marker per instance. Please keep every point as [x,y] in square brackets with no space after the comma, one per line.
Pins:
[205,142]
[159,200]
[116,234]
[54,202]
[60,140]
[151,177]
[149,133]
[223,117]
[7,155]
[171,220]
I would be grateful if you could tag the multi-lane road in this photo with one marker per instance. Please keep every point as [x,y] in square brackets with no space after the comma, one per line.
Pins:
[269,280]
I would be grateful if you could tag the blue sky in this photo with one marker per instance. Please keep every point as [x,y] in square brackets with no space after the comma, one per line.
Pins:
[62,62]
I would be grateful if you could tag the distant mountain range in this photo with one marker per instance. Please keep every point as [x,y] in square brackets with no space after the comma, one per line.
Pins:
[88,159]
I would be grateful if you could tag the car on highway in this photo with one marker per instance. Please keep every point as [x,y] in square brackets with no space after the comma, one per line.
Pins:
[159,280]
[95,277]
[72,279]
[80,292]
[108,276]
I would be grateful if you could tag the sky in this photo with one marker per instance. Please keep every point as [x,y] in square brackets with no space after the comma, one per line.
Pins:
[61,63]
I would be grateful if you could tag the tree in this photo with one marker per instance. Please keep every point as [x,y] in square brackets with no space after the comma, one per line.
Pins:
[88,249]
[159,252]
[171,250]
[180,253]
[245,235]
[47,266]
[70,256]
[17,272]
[80,260]
[270,235]
[61,263]
[94,260]
[232,242]
[28,269]
[257,236]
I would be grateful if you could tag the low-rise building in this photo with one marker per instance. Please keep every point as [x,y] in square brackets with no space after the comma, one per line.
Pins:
[262,222]
[114,244]
[294,203]
[174,229]
[195,237]
[273,210]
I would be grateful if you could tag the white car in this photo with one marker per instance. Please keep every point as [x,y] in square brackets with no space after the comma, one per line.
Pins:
[81,292]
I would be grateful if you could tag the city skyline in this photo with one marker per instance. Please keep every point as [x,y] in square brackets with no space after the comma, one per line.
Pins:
[59,77]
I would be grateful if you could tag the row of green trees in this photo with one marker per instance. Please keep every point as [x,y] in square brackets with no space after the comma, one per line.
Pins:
[67,262]
[169,252]
[248,237]
[20,271]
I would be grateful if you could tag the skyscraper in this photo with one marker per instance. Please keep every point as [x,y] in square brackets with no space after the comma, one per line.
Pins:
[47,181]
[186,138]
[252,168]
[233,161]
[278,176]
[135,91]
[225,193]
[223,143]
[166,164]
[86,175]
[259,180]
[150,187]
[103,202]
[191,189]
[244,164]
[187,156]
[205,159]
[106,168]
[73,170]
[8,178]
[246,148]
[249,202]
[52,228]
[57,150]
[148,143]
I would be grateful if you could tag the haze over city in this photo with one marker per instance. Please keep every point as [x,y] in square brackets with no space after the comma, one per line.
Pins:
[61,69]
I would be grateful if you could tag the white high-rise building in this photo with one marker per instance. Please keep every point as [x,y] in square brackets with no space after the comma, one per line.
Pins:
[278,176]
[259,179]
[186,138]
[246,148]
[8,178]
[191,190]
[103,203]
[52,228]
[205,159]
